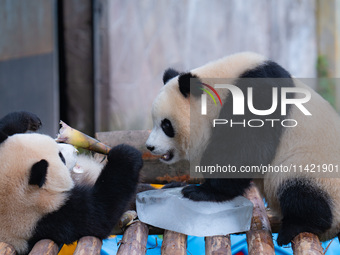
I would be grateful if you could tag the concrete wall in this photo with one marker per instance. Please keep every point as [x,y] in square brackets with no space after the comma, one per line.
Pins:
[145,37]
[28,60]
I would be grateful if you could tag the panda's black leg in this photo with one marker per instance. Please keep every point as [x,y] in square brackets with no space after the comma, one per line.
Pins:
[198,193]
[118,180]
[19,122]
[290,228]
[217,190]
[305,208]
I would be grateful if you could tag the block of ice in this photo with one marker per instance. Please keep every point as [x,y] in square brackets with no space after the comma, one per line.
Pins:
[168,209]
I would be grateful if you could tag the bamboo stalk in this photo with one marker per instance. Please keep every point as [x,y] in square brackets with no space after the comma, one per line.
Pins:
[88,245]
[217,245]
[6,249]
[259,237]
[76,138]
[174,243]
[307,244]
[46,247]
[127,218]
[134,239]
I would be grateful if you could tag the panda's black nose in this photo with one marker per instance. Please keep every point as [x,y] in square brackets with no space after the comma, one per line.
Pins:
[150,148]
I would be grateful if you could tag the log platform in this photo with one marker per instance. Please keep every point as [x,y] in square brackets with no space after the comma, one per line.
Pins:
[259,237]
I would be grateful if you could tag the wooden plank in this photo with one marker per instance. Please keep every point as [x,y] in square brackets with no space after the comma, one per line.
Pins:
[259,237]
[153,171]
[135,138]
[46,247]
[88,245]
[307,244]
[174,243]
[275,222]
[134,239]
[217,245]
[6,249]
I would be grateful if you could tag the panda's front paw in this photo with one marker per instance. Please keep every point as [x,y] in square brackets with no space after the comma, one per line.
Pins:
[285,237]
[196,193]
[126,157]
[289,230]
[33,122]
[19,122]
[205,193]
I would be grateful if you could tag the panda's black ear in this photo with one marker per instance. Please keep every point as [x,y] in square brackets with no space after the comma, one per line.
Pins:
[3,136]
[169,74]
[38,173]
[184,84]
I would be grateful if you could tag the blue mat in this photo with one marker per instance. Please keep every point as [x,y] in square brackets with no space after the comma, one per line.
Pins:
[196,246]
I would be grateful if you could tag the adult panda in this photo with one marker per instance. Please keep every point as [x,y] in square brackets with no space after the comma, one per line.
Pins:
[305,202]
[38,197]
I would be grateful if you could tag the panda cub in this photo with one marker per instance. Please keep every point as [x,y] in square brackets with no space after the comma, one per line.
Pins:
[38,197]
[305,202]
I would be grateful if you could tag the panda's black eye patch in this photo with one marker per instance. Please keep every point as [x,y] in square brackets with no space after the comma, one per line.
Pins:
[167,128]
[62,158]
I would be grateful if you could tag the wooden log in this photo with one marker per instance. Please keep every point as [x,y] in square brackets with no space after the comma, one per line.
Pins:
[307,244]
[88,245]
[275,222]
[136,138]
[6,249]
[46,247]
[134,239]
[259,237]
[174,243]
[217,245]
[152,231]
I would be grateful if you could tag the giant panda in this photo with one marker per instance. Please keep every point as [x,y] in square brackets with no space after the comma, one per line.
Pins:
[305,202]
[38,197]
[84,168]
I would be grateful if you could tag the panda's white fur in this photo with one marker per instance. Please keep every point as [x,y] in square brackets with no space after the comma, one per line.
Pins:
[315,139]
[171,104]
[23,205]
[84,169]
